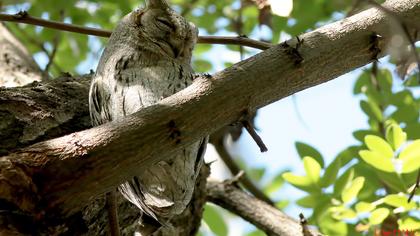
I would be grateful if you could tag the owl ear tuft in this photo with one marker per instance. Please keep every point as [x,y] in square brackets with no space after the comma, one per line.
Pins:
[157,4]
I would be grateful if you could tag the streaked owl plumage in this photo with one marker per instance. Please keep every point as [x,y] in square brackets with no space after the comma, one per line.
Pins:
[148,58]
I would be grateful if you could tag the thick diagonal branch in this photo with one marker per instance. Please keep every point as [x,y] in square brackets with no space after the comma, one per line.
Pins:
[62,174]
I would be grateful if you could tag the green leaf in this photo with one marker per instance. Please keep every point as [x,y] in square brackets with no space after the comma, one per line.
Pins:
[343,181]
[372,183]
[402,98]
[202,65]
[378,216]
[282,204]
[342,212]
[301,182]
[378,145]
[406,113]
[399,201]
[372,110]
[306,150]
[256,233]
[413,130]
[256,173]
[361,134]
[409,223]
[274,184]
[385,81]
[392,180]
[412,81]
[312,168]
[362,83]
[331,172]
[362,207]
[411,157]
[377,160]
[310,201]
[214,220]
[348,154]
[351,192]
[331,226]
[395,136]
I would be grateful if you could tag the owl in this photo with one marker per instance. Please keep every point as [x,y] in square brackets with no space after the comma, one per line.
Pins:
[148,58]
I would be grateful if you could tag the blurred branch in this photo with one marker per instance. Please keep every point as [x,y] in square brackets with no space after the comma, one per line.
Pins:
[55,44]
[218,140]
[403,25]
[24,17]
[266,217]
[34,41]
[234,41]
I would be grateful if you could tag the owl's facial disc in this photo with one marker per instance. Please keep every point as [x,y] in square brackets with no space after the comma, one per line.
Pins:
[165,28]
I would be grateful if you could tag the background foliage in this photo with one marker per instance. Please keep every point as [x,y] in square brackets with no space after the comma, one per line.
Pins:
[362,189]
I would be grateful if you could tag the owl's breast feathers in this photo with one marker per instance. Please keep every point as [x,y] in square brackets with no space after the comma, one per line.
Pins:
[134,72]
[135,80]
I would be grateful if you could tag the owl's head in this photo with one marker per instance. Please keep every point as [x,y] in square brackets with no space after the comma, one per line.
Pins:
[162,26]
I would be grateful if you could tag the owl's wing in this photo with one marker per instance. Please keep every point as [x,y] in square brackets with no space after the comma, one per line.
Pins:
[165,189]
[99,102]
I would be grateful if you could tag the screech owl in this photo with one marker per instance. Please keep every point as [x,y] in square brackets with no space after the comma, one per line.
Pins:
[148,58]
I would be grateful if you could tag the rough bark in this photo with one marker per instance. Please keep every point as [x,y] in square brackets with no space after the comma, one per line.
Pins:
[18,66]
[61,175]
[39,112]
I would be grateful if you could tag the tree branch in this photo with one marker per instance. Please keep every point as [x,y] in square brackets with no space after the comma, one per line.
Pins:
[60,175]
[264,216]
[24,17]
[218,141]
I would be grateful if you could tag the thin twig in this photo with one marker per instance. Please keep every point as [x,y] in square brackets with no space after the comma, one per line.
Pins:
[24,17]
[52,54]
[112,209]
[217,139]
[234,41]
[417,186]
[251,130]
[55,44]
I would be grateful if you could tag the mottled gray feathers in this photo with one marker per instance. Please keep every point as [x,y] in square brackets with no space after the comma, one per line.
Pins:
[148,58]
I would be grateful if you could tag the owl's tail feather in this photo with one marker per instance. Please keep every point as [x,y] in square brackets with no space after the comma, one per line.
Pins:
[132,192]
